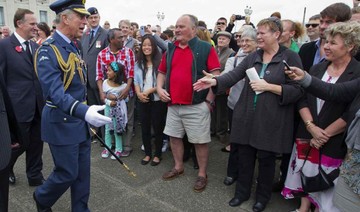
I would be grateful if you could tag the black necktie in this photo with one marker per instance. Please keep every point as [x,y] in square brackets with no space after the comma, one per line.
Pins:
[28,52]
[91,37]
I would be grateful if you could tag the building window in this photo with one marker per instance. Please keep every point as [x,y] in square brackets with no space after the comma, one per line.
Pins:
[43,1]
[22,1]
[2,20]
[43,16]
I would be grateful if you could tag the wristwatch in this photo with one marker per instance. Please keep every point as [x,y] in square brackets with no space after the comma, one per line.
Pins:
[211,103]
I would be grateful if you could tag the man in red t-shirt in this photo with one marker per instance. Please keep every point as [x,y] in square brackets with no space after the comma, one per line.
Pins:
[189,111]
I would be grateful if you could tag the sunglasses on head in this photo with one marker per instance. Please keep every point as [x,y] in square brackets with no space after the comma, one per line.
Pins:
[312,25]
[220,23]
[277,22]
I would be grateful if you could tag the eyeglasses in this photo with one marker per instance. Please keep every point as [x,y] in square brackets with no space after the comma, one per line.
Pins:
[246,40]
[220,23]
[237,36]
[312,25]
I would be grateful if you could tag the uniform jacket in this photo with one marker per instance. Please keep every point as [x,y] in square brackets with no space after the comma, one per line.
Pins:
[63,117]
[331,110]
[269,126]
[90,53]
[20,79]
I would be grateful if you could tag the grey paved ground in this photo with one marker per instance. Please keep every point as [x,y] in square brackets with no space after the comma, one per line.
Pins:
[112,189]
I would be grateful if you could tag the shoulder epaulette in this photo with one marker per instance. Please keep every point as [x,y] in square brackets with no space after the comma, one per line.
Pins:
[48,41]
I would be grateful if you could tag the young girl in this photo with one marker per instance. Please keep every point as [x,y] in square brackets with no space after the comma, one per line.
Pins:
[115,109]
[153,111]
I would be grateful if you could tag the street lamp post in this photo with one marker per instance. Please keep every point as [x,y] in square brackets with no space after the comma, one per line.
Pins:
[160,17]
[248,11]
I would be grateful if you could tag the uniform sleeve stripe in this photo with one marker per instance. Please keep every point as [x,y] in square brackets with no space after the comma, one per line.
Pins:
[73,107]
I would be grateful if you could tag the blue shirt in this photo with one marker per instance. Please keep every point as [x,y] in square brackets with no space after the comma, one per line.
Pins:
[318,58]
[63,36]
[95,30]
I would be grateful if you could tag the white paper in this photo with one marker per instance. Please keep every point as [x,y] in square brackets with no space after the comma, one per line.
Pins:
[253,76]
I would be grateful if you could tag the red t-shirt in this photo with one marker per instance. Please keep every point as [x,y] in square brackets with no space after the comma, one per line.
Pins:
[181,88]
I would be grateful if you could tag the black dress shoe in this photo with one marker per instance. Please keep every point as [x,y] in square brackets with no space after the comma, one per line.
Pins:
[39,207]
[12,178]
[229,180]
[259,207]
[224,150]
[144,162]
[36,182]
[235,202]
[154,163]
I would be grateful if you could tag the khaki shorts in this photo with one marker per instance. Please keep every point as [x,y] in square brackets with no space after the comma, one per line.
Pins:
[345,198]
[194,120]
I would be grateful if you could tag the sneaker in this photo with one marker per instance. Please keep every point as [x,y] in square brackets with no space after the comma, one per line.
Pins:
[165,145]
[125,153]
[105,153]
[142,148]
[117,153]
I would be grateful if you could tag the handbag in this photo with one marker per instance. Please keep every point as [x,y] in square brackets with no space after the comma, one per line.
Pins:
[319,182]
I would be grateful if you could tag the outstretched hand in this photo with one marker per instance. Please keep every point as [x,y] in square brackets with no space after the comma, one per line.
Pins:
[205,82]
[295,73]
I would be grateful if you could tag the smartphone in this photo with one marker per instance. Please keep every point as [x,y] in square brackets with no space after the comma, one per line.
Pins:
[142,30]
[286,65]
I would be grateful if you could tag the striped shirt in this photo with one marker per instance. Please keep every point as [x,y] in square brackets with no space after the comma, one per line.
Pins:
[125,56]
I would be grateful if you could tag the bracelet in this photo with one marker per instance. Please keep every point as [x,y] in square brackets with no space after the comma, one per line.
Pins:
[213,76]
[309,124]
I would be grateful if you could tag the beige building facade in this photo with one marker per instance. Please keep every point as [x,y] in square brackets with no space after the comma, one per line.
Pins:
[39,7]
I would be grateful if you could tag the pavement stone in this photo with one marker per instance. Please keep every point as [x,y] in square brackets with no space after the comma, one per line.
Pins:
[113,189]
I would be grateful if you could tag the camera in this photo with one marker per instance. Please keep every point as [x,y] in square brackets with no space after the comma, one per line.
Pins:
[142,30]
[239,17]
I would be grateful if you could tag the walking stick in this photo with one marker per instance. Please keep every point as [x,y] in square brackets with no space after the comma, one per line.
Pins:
[113,153]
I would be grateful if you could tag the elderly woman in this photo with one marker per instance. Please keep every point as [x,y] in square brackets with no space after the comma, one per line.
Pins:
[246,40]
[262,123]
[219,117]
[325,121]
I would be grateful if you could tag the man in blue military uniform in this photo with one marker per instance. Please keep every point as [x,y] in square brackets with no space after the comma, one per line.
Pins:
[66,116]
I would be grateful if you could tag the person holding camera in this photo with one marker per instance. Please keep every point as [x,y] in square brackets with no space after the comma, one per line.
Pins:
[153,111]
[221,25]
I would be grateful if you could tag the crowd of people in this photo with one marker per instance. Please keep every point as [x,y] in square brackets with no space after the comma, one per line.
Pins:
[186,85]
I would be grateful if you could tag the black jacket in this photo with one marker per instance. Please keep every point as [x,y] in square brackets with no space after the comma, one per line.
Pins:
[307,54]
